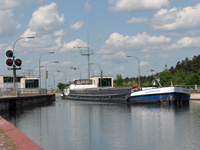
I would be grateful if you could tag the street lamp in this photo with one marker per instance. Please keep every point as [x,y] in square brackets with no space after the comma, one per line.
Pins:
[65,75]
[46,70]
[138,69]
[41,66]
[14,66]
[78,69]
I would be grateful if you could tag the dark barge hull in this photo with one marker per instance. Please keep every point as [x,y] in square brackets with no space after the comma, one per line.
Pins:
[111,95]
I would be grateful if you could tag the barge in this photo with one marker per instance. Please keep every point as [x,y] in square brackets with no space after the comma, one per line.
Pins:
[103,91]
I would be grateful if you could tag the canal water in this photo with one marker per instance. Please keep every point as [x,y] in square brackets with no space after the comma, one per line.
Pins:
[78,125]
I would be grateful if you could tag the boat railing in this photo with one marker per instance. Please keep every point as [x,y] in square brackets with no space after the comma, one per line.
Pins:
[192,87]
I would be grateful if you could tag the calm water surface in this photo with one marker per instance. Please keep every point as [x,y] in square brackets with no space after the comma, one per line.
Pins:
[76,125]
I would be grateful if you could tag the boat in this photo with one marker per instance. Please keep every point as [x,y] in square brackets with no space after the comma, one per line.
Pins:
[96,89]
[160,95]
[171,94]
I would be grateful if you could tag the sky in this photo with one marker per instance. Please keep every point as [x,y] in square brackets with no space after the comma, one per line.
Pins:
[157,32]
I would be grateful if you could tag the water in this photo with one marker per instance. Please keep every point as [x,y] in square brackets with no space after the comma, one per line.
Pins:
[76,125]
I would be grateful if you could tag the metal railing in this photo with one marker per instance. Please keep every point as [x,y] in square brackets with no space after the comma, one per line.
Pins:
[6,92]
[192,87]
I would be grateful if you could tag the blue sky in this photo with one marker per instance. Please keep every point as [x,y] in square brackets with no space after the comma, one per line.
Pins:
[158,32]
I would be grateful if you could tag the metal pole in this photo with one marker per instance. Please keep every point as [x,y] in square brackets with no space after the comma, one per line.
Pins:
[138,69]
[78,69]
[46,70]
[65,75]
[54,81]
[80,72]
[40,66]
[14,66]
[88,63]
[87,53]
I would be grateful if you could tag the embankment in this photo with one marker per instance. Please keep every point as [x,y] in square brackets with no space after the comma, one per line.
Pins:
[12,103]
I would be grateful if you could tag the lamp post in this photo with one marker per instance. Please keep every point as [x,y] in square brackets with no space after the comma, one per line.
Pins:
[40,66]
[138,69]
[78,69]
[65,75]
[14,66]
[100,70]
[46,70]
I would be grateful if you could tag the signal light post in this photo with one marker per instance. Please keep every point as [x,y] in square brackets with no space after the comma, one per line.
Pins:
[14,62]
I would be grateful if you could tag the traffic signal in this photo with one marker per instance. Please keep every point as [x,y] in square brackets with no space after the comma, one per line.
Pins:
[46,74]
[18,62]
[101,73]
[9,62]
[9,53]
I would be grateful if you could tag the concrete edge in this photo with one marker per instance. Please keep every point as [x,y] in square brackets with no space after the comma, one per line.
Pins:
[20,139]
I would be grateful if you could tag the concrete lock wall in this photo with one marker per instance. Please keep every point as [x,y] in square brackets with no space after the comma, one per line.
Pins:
[12,103]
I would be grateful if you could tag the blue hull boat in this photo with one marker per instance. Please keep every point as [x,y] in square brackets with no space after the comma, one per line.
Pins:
[162,94]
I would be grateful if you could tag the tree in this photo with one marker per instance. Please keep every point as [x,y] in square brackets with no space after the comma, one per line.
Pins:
[179,77]
[61,86]
[119,80]
[192,78]
[165,78]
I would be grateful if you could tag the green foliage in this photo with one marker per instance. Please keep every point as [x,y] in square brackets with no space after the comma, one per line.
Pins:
[178,78]
[119,81]
[192,78]
[165,78]
[186,72]
[61,86]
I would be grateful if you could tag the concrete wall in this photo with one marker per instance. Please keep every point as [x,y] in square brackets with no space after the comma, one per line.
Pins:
[195,96]
[11,103]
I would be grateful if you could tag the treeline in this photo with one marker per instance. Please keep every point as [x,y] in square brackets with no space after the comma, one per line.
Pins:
[186,72]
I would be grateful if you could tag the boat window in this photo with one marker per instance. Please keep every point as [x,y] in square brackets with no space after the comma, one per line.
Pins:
[83,82]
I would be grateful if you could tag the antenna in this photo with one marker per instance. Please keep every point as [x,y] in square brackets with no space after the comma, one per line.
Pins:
[87,52]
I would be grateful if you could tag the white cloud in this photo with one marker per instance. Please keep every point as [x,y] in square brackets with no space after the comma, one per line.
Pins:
[46,20]
[59,33]
[118,57]
[88,6]
[144,63]
[66,63]
[9,4]
[104,51]
[118,41]
[185,42]
[3,48]
[8,26]
[137,20]
[137,5]
[78,25]
[176,19]
[46,25]
[71,46]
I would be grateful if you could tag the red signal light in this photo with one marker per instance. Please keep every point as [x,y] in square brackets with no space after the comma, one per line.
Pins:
[9,62]
[18,62]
